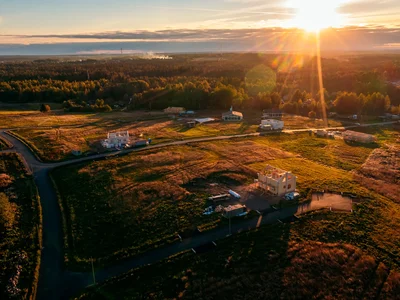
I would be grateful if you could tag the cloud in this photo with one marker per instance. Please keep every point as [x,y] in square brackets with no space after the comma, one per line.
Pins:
[366,6]
[347,38]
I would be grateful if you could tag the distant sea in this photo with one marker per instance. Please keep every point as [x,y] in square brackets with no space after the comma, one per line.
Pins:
[218,46]
[128,47]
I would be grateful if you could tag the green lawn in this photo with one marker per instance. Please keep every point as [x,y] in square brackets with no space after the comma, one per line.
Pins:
[20,228]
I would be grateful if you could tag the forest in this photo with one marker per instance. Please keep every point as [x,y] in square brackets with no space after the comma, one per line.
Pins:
[362,83]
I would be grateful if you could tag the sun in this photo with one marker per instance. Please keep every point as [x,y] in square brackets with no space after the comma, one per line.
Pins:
[314,15]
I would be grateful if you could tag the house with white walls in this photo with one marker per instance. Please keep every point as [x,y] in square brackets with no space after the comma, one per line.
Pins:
[276,181]
[116,139]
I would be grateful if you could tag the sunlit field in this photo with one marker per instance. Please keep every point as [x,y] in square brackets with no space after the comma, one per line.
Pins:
[54,136]
[232,149]
[148,190]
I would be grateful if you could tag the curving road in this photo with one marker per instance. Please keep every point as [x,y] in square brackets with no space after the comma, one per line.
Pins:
[55,282]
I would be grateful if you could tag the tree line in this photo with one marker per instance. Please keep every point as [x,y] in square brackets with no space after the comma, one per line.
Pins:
[242,80]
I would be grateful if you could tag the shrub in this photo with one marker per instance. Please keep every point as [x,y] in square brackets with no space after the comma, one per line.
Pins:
[7,214]
[44,108]
[312,114]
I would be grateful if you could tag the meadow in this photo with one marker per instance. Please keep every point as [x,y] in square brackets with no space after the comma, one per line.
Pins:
[331,152]
[324,255]
[128,200]
[20,230]
[54,135]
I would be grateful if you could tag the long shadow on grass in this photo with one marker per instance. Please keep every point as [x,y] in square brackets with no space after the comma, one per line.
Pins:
[246,258]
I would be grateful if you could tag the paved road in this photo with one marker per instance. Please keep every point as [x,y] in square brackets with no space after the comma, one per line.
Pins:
[55,282]
[51,268]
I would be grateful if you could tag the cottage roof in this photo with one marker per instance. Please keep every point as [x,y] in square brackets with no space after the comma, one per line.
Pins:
[232,113]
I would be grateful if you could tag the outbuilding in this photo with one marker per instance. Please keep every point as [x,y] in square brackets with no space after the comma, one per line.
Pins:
[271,124]
[232,116]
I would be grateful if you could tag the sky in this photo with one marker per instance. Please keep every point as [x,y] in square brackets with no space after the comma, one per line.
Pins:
[31,27]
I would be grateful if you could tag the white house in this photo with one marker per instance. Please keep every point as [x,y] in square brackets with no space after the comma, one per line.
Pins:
[116,139]
[276,181]
[271,124]
[232,115]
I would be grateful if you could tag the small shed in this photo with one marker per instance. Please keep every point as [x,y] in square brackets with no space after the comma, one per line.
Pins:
[191,124]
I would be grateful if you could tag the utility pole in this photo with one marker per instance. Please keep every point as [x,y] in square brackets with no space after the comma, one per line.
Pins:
[94,277]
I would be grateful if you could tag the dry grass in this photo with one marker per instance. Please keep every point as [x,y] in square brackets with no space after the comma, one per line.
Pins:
[330,152]
[297,122]
[32,119]
[267,269]
[332,271]
[244,151]
[57,143]
[142,192]
[87,130]
[381,172]
[134,197]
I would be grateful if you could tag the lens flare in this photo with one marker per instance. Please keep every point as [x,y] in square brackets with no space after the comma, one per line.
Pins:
[314,15]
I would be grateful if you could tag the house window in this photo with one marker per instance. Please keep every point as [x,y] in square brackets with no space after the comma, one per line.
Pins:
[289,186]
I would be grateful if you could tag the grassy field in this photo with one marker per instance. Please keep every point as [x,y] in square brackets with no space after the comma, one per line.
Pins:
[20,225]
[26,107]
[32,119]
[324,255]
[134,196]
[330,152]
[55,144]
[313,176]
[381,171]
[85,131]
